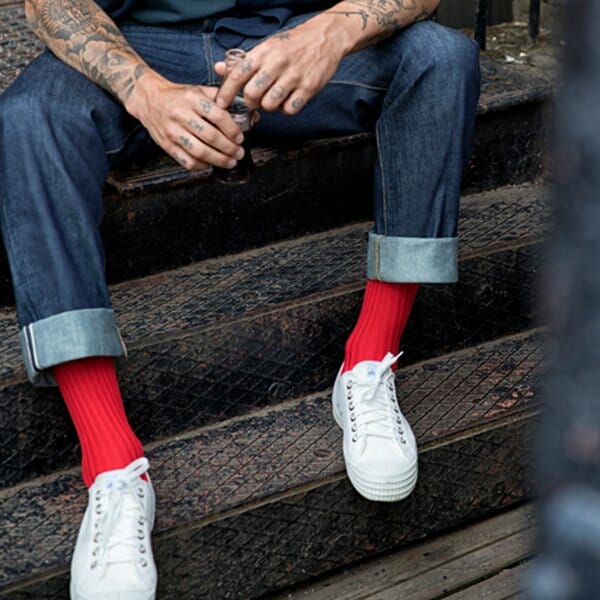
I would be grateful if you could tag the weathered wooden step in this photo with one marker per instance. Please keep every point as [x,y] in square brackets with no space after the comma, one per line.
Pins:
[262,502]
[482,560]
[161,217]
[275,321]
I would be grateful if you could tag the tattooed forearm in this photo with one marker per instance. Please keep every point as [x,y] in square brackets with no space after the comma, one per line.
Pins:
[83,36]
[389,15]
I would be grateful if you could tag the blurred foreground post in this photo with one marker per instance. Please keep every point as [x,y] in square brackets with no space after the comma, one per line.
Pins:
[569,443]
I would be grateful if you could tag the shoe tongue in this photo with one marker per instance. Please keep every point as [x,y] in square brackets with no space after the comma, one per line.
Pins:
[366,370]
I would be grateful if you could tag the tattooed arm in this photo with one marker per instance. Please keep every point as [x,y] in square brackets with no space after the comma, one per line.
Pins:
[287,70]
[379,19]
[182,119]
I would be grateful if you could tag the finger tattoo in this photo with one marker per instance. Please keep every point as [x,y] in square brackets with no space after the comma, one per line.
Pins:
[180,159]
[206,106]
[277,92]
[196,125]
[298,103]
[261,79]
[186,142]
[246,65]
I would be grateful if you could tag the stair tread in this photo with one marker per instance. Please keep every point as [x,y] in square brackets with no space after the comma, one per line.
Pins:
[253,459]
[207,292]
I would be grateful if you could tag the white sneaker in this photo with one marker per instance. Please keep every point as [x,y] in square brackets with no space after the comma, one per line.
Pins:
[113,556]
[380,450]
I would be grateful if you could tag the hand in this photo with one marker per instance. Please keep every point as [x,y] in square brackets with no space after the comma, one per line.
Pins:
[185,122]
[285,71]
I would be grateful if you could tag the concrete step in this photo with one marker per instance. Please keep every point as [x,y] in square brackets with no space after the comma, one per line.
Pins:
[261,502]
[159,217]
[275,322]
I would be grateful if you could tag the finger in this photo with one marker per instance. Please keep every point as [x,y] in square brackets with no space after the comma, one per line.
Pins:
[220,68]
[198,150]
[278,94]
[207,110]
[184,159]
[210,135]
[236,79]
[256,88]
[296,102]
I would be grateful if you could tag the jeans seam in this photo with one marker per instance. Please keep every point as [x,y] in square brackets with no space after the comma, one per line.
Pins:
[208,58]
[383,190]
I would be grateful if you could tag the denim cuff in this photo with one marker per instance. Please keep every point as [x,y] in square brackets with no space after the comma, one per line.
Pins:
[412,260]
[68,336]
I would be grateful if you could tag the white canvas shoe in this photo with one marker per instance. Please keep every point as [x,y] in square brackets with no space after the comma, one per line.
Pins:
[380,450]
[113,556]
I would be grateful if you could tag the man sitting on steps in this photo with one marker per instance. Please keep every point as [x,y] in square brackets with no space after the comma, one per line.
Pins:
[120,73]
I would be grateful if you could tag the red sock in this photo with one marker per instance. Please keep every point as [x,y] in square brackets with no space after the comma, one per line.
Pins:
[383,316]
[91,392]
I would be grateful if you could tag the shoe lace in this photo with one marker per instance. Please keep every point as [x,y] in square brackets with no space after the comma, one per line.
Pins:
[123,498]
[374,409]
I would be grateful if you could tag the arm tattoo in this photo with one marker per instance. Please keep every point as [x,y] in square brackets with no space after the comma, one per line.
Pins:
[390,15]
[84,37]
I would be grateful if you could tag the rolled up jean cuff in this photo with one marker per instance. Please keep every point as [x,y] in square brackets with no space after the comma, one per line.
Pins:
[68,336]
[412,260]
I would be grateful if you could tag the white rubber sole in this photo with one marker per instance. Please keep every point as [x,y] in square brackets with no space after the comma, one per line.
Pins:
[113,596]
[379,491]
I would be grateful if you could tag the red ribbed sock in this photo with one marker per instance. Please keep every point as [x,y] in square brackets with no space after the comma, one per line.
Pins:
[383,316]
[91,392]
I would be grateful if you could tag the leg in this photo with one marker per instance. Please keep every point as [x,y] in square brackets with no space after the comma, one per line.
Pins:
[58,135]
[419,91]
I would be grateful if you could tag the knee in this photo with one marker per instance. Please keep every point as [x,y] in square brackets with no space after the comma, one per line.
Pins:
[444,57]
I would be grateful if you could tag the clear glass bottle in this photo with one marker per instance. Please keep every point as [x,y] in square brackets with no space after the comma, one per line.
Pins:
[242,115]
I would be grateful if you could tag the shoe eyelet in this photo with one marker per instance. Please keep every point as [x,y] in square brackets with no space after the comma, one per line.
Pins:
[99,509]
[354,429]
[403,440]
[351,406]
[349,385]
[143,563]
[140,534]
[94,564]
[353,418]
[96,552]
[140,492]
[98,495]
[354,439]
[142,549]
[141,521]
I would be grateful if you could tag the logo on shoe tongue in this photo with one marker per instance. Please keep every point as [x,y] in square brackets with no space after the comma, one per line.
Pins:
[371,372]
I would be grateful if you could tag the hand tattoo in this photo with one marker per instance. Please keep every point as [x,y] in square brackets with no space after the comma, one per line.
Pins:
[298,103]
[246,65]
[196,125]
[277,92]
[261,79]
[206,106]
[186,142]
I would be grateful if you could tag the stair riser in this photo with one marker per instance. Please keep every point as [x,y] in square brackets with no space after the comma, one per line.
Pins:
[308,533]
[167,228]
[177,385]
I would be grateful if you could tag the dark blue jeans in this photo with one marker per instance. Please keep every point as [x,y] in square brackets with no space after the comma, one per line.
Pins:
[60,134]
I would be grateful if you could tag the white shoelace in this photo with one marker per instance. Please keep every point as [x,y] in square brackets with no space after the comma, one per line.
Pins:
[373,407]
[124,497]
